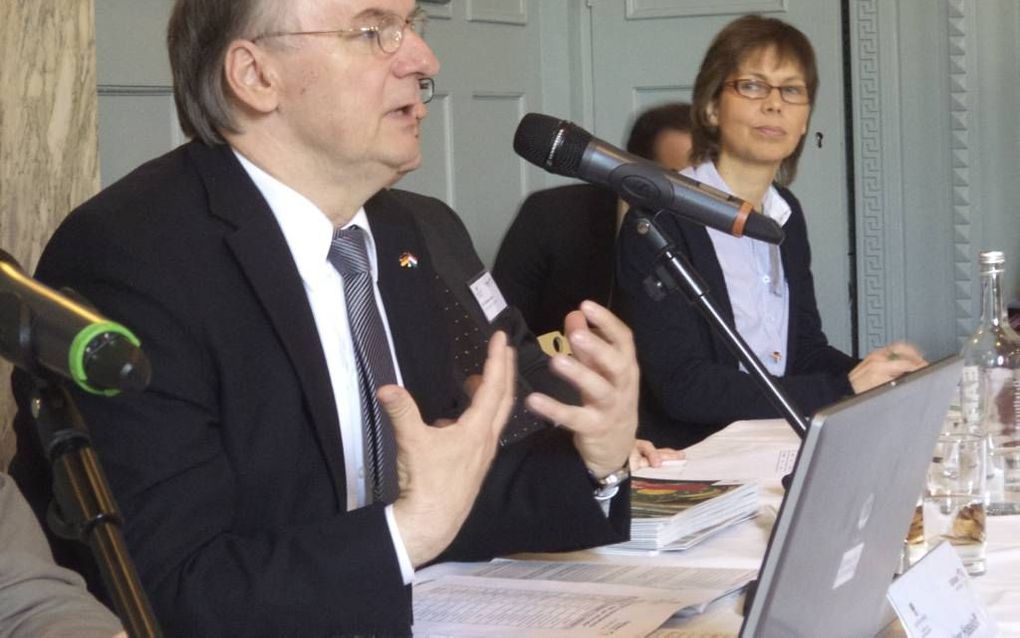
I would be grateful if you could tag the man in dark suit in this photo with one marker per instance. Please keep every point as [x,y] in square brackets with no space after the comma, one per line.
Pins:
[252,471]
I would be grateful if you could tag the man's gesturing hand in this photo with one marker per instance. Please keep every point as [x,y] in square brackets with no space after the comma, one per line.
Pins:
[442,468]
[605,372]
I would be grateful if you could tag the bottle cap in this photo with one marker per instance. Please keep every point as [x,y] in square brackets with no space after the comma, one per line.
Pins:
[992,257]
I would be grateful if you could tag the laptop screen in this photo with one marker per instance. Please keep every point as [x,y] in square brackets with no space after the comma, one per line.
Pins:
[839,534]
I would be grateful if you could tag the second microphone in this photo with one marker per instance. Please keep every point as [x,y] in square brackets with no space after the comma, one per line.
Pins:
[565,149]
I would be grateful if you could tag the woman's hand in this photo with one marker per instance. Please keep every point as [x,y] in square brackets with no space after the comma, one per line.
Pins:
[645,454]
[885,364]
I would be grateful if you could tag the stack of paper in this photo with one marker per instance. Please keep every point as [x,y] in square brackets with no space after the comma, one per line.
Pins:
[675,514]
[563,600]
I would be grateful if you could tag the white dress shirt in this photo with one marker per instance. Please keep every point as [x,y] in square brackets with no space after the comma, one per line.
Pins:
[754,276]
[309,235]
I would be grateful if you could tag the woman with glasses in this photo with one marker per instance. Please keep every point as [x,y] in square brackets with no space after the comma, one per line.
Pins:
[752,104]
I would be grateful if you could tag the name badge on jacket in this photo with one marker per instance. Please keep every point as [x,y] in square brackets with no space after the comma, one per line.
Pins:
[488,296]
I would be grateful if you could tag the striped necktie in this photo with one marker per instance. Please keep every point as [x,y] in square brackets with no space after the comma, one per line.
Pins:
[349,256]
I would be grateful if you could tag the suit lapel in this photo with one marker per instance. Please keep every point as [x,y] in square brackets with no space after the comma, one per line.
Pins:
[419,335]
[265,259]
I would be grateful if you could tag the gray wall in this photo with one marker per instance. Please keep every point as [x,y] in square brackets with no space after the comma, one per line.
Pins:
[937,162]
[137,119]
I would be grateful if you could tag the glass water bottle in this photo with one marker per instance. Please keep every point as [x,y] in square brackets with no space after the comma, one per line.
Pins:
[990,388]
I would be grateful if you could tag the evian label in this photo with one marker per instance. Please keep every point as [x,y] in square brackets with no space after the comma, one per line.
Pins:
[970,395]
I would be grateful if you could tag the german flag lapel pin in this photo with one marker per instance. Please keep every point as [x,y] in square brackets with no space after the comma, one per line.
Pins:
[408,260]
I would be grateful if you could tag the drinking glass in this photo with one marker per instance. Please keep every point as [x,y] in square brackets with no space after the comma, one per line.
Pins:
[955,498]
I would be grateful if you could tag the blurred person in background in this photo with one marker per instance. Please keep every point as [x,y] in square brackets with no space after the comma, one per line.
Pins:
[560,249]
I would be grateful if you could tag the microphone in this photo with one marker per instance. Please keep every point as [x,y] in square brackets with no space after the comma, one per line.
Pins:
[561,147]
[42,329]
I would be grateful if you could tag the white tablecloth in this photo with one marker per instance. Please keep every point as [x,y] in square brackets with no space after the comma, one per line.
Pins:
[746,450]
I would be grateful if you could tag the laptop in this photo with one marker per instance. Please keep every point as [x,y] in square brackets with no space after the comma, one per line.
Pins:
[839,534]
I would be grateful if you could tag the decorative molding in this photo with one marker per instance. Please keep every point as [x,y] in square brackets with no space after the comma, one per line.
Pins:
[524,170]
[659,93]
[438,11]
[957,15]
[522,109]
[177,136]
[498,11]
[497,95]
[584,103]
[118,90]
[441,107]
[870,172]
[651,9]
[436,177]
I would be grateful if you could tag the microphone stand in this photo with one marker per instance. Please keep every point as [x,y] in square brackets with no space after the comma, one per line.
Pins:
[673,271]
[83,507]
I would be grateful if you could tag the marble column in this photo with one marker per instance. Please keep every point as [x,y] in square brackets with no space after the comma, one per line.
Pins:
[48,133]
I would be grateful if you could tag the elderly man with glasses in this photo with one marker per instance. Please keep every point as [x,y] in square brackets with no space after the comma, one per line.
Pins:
[279,477]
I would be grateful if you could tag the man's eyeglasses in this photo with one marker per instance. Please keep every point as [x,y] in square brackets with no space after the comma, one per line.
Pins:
[388,31]
[427,88]
[758,90]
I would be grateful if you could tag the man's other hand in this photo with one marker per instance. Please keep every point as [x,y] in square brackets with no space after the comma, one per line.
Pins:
[605,372]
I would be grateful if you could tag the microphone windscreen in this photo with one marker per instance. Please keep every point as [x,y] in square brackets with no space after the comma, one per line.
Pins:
[535,136]
[764,228]
[553,144]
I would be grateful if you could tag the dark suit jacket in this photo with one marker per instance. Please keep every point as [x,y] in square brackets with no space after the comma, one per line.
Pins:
[691,382]
[229,468]
[559,251]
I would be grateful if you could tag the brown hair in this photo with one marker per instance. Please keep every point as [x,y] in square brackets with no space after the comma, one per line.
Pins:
[733,45]
[673,116]
[197,38]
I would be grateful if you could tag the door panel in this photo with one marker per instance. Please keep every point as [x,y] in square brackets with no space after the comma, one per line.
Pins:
[490,77]
[136,124]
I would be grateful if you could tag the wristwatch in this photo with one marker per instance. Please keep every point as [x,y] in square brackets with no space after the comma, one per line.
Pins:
[607,486]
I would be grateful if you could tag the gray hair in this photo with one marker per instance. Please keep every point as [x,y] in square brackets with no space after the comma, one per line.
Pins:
[197,38]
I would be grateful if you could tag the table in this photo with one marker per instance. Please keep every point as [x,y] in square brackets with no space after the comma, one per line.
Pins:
[748,444]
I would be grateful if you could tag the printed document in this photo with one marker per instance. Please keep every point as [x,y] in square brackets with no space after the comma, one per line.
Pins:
[546,598]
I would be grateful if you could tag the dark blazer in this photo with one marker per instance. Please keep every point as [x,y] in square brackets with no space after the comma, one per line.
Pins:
[559,251]
[691,382]
[229,468]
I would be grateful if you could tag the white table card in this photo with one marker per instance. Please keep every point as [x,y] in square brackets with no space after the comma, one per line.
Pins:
[935,598]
